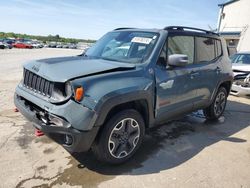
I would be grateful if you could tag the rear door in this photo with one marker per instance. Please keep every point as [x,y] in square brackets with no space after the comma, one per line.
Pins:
[208,59]
[175,86]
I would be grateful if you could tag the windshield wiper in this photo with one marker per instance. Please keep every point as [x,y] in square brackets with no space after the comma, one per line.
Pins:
[110,59]
[83,54]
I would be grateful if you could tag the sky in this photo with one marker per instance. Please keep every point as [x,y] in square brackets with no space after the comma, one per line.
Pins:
[90,19]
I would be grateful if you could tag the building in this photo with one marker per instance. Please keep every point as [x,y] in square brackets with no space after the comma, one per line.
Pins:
[234,23]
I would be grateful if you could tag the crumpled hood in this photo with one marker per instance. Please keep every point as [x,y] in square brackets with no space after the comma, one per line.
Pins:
[62,69]
[240,69]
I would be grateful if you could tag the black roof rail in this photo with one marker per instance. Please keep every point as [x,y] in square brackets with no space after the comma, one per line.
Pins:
[182,28]
[121,28]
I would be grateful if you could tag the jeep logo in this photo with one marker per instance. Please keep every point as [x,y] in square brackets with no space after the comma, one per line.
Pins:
[35,68]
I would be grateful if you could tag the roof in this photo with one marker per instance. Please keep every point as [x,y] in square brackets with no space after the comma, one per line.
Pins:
[179,29]
[227,3]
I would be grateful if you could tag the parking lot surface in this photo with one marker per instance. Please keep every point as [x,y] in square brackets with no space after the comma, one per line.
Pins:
[189,152]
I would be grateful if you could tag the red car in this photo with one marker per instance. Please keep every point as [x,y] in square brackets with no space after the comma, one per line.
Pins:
[22,45]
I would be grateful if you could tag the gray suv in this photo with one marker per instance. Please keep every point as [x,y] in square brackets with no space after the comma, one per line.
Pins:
[129,81]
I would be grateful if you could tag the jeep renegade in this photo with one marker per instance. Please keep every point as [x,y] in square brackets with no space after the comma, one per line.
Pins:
[128,81]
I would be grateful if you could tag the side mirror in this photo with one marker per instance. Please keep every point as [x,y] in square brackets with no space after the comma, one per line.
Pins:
[178,60]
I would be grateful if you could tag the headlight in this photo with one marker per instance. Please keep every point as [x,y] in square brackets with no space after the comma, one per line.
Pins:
[68,89]
[61,92]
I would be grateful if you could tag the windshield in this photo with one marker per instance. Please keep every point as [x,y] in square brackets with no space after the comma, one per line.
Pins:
[124,46]
[241,59]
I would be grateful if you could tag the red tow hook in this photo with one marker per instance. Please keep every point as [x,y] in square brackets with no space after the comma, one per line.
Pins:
[38,132]
[16,110]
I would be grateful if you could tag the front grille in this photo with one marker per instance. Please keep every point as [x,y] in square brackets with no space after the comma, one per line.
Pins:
[37,83]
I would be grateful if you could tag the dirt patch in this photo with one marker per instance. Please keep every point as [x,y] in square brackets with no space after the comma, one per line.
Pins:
[26,136]
[71,176]
[48,150]
[51,161]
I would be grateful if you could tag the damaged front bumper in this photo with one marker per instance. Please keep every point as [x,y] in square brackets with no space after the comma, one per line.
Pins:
[69,124]
[241,86]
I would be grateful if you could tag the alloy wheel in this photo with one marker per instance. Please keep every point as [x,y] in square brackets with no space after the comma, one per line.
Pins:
[124,138]
[219,103]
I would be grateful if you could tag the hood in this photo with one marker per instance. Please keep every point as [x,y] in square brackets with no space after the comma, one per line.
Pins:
[62,69]
[240,69]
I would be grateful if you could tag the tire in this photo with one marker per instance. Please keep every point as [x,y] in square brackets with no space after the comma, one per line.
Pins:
[120,137]
[216,109]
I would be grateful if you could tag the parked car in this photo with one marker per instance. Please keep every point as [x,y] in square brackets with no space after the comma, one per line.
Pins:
[105,101]
[72,46]
[37,45]
[22,45]
[2,46]
[52,45]
[65,46]
[241,69]
[59,46]
[7,45]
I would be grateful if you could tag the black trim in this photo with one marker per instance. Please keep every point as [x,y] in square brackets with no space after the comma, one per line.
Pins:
[123,28]
[104,108]
[184,28]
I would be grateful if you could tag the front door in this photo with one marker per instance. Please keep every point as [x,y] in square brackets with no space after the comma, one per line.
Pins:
[176,86]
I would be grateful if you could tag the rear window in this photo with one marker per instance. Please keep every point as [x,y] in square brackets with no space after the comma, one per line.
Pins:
[207,49]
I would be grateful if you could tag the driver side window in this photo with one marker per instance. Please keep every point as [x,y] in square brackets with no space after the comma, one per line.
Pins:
[182,45]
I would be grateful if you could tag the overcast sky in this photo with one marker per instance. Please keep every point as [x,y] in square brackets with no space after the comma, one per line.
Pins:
[90,19]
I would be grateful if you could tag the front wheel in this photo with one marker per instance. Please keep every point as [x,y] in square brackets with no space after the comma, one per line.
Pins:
[216,109]
[120,138]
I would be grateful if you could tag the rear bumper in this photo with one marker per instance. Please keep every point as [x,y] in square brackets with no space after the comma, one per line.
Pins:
[71,138]
[238,90]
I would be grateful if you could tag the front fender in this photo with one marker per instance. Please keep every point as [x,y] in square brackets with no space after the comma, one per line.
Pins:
[104,107]
[105,91]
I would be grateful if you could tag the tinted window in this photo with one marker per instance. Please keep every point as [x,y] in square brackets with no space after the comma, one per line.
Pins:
[205,49]
[182,45]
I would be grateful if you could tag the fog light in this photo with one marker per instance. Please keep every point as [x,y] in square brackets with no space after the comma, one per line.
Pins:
[56,121]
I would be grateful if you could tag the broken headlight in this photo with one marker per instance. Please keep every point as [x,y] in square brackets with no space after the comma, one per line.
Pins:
[61,92]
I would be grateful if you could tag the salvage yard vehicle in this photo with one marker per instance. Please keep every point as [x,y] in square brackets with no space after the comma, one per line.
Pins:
[104,100]
[22,45]
[241,69]
[2,45]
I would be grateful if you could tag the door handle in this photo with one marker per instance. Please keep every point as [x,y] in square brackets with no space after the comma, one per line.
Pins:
[194,74]
[218,70]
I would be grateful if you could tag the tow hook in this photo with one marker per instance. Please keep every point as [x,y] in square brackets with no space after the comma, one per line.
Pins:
[38,133]
[15,109]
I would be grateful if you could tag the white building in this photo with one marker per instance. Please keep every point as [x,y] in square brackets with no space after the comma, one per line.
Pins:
[234,23]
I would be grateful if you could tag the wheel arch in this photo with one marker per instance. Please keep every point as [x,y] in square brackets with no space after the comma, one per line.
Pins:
[226,85]
[137,101]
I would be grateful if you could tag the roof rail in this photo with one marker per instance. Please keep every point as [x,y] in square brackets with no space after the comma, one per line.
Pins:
[182,28]
[121,28]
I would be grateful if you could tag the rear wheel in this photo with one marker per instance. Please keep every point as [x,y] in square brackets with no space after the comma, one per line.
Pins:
[216,109]
[120,138]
